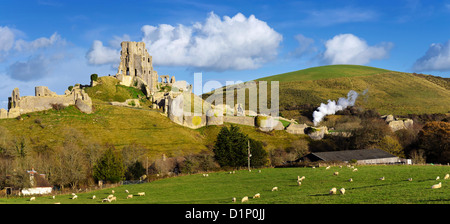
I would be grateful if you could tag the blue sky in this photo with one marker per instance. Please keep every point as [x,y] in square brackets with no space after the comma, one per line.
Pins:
[60,43]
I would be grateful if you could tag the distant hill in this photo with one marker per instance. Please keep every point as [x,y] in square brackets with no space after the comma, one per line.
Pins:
[389,92]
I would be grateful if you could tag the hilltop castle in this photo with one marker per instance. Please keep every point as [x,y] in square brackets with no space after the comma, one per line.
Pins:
[136,68]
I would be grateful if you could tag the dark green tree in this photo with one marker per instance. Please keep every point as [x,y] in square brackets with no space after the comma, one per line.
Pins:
[109,167]
[231,149]
[94,77]
[134,171]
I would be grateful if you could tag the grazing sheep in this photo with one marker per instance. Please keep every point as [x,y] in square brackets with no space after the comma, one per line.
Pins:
[73,194]
[106,200]
[112,191]
[126,191]
[446,176]
[410,179]
[75,197]
[437,178]
[141,193]
[53,196]
[33,199]
[313,167]
[439,185]
[328,167]
[129,196]
[299,183]
[381,178]
[244,199]
[259,171]
[93,197]
[257,195]
[113,199]
[275,189]
[233,199]
[336,173]
[356,169]
[342,190]
[110,196]
[333,190]
[350,180]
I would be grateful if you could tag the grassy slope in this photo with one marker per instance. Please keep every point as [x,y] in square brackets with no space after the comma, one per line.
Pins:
[122,126]
[389,92]
[221,187]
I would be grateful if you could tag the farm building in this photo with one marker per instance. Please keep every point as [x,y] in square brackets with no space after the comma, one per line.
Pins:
[363,156]
[39,184]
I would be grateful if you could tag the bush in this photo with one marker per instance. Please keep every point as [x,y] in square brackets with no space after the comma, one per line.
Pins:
[70,88]
[94,77]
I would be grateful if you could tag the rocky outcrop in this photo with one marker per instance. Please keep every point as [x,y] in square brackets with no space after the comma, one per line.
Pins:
[397,124]
[298,129]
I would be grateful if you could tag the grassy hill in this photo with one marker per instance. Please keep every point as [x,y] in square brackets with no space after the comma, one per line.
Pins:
[389,92]
[124,126]
[221,187]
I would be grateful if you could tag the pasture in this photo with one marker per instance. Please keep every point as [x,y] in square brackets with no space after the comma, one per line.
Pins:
[221,187]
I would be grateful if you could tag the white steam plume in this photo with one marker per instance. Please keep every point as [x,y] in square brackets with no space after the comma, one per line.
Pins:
[332,107]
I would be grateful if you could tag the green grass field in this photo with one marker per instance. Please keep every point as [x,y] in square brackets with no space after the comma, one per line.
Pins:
[221,187]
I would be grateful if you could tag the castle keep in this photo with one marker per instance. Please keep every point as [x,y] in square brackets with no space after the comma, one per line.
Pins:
[136,68]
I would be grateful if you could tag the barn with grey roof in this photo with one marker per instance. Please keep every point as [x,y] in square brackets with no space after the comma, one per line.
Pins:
[363,156]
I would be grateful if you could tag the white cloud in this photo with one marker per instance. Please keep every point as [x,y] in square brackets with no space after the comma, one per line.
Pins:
[43,42]
[350,49]
[99,54]
[235,43]
[437,58]
[6,38]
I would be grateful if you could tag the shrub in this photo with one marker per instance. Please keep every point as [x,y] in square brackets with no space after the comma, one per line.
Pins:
[70,88]
[109,167]
[94,77]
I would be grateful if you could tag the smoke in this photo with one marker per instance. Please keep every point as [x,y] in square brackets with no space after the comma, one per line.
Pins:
[332,107]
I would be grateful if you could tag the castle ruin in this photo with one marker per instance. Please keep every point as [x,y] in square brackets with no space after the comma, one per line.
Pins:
[136,68]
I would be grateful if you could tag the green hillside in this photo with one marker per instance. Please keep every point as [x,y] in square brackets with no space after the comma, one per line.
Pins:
[122,126]
[389,92]
[325,72]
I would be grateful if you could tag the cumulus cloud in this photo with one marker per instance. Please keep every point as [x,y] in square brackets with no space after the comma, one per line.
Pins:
[217,44]
[437,58]
[350,49]
[99,54]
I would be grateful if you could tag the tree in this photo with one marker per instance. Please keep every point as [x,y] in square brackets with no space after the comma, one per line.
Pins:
[434,139]
[109,167]
[134,171]
[231,149]
[94,77]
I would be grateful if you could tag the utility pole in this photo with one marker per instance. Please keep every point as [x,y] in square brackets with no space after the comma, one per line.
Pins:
[249,155]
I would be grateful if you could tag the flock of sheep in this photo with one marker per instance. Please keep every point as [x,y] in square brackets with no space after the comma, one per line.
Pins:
[109,199]
[333,190]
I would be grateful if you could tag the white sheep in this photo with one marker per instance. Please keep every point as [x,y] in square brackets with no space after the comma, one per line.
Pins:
[110,196]
[141,193]
[299,183]
[233,199]
[257,195]
[350,180]
[342,190]
[446,176]
[439,185]
[33,199]
[328,167]
[106,200]
[275,189]
[93,197]
[356,169]
[336,173]
[129,196]
[126,191]
[113,199]
[75,197]
[53,196]
[333,190]
[244,199]
[381,178]
[437,178]
[410,179]
[112,191]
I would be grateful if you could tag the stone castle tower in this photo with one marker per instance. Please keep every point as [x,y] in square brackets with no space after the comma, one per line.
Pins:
[135,68]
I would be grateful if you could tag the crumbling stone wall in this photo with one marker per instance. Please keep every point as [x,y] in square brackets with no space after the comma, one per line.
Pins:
[43,100]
